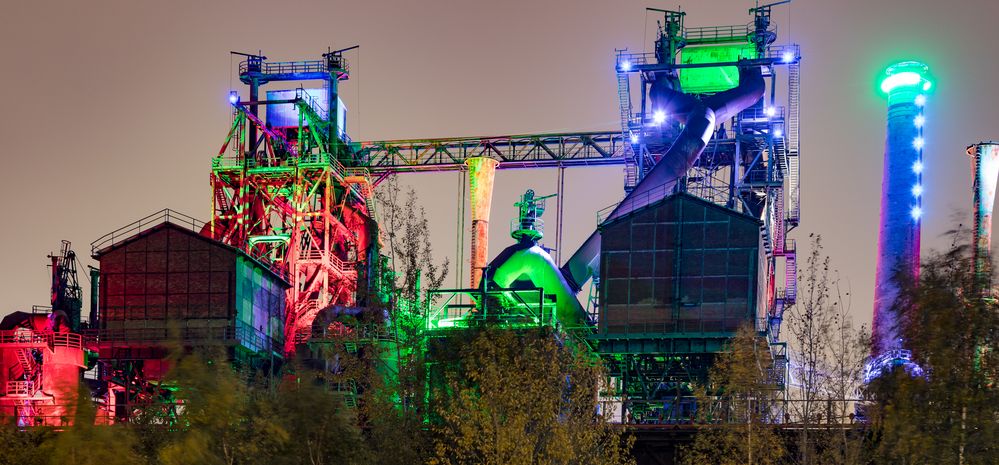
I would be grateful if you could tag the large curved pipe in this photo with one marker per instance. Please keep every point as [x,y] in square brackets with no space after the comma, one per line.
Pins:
[700,119]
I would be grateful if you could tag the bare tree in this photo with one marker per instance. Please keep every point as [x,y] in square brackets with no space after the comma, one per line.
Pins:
[827,361]
[810,322]
[846,354]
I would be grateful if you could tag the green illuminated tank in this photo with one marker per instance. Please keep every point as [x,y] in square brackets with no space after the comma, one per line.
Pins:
[527,265]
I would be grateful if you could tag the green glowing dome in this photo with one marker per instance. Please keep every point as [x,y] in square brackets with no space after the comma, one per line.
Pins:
[906,74]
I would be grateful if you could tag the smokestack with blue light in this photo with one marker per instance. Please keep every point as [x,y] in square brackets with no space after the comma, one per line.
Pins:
[906,85]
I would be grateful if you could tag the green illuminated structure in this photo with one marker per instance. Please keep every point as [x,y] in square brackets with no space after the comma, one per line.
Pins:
[717,78]
[907,74]
[521,287]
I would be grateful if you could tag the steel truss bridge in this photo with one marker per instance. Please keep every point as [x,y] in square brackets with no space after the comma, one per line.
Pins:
[517,151]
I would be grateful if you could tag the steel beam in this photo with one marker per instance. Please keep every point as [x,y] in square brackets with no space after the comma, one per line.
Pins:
[518,151]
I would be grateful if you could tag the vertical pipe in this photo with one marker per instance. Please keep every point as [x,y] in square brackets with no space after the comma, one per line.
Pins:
[985,169]
[560,199]
[254,97]
[95,286]
[901,191]
[481,172]
[333,104]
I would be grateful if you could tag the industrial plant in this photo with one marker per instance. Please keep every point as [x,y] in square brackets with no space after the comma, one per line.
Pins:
[291,256]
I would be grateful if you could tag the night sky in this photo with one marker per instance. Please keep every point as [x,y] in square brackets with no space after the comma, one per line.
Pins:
[113,109]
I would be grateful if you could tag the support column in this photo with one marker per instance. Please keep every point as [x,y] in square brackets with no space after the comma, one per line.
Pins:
[481,172]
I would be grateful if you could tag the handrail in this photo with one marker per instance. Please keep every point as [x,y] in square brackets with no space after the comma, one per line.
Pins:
[144,224]
[718,33]
[635,202]
[20,388]
[41,338]
[534,224]
[541,315]
[783,413]
[774,54]
[292,67]
[239,332]
[309,100]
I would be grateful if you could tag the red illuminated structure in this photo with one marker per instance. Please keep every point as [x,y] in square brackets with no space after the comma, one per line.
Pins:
[41,353]
[281,191]
[162,284]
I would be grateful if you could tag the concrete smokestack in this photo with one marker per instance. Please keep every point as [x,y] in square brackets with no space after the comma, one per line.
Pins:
[985,169]
[481,172]
[906,85]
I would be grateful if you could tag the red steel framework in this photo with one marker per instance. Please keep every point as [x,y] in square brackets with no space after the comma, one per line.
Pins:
[285,197]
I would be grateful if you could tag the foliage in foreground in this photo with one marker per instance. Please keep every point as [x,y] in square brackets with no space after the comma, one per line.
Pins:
[950,413]
[740,402]
[522,397]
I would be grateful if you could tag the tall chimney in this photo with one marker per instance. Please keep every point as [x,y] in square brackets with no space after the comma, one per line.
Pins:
[481,172]
[905,84]
[985,169]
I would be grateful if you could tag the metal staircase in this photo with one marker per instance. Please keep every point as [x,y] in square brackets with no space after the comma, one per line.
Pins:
[790,273]
[624,98]
[631,174]
[792,119]
[347,390]
[778,220]
[31,374]
[222,202]
[361,178]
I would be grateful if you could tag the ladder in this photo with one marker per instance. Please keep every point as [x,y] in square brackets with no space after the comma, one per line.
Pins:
[631,174]
[793,84]
[624,97]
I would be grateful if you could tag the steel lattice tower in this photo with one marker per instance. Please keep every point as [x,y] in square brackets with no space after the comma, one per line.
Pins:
[284,195]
